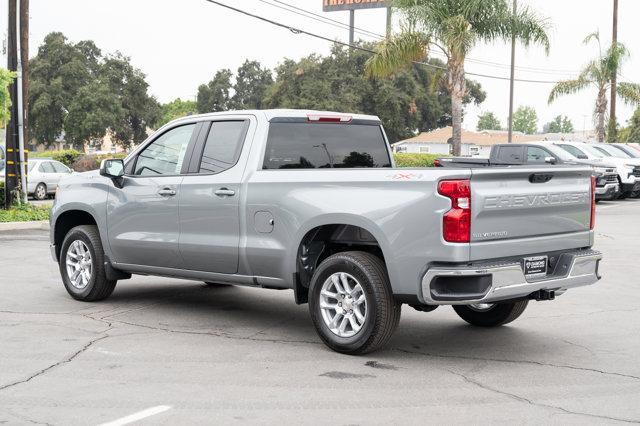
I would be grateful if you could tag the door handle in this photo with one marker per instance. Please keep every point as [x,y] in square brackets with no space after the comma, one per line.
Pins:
[167,192]
[225,192]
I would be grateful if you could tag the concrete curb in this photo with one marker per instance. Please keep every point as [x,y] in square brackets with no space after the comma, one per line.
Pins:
[19,226]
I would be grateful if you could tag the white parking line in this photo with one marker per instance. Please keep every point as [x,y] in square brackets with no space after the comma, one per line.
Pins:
[138,416]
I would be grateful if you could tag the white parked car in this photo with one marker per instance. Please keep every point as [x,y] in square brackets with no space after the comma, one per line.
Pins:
[44,175]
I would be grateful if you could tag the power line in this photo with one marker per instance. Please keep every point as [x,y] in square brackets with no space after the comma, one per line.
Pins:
[342,25]
[342,43]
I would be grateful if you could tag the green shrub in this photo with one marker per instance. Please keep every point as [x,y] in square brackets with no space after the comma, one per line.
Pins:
[66,157]
[25,213]
[415,160]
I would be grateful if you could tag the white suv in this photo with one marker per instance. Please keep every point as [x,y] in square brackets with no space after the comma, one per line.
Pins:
[628,168]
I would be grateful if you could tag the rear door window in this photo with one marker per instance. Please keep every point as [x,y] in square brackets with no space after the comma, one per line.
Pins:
[510,154]
[303,145]
[46,167]
[222,146]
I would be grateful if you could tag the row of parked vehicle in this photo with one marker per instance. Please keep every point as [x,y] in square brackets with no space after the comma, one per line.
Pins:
[616,165]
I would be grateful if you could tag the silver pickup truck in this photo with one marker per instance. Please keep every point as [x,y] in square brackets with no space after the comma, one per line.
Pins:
[311,201]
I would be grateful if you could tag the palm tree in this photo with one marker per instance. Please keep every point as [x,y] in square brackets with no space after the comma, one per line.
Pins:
[600,73]
[454,27]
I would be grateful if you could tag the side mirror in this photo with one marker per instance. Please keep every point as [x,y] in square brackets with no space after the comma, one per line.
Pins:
[113,169]
[550,160]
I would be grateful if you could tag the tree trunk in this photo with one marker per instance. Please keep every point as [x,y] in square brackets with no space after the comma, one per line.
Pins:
[601,110]
[456,85]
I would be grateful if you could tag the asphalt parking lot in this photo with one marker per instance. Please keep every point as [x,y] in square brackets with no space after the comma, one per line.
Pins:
[176,352]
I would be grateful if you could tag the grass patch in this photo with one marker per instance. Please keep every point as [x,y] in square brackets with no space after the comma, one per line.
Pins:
[25,213]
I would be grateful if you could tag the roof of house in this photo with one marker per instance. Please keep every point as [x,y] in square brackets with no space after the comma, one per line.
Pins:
[485,137]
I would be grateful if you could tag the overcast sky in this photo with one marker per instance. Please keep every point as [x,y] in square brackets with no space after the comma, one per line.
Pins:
[181,44]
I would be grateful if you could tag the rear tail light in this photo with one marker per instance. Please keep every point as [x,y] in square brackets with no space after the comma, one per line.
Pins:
[592,221]
[329,118]
[456,223]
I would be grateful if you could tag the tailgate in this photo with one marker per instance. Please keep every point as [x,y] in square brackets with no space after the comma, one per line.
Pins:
[526,210]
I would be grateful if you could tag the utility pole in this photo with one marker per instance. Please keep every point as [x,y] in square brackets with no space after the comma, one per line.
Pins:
[614,81]
[389,21]
[17,57]
[352,19]
[11,169]
[511,79]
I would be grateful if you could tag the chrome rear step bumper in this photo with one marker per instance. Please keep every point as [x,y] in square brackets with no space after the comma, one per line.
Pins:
[493,282]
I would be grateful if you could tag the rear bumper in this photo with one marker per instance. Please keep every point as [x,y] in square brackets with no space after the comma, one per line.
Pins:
[493,282]
[607,191]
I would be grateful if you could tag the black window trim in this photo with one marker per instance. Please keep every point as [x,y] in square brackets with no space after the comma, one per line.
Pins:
[130,167]
[198,149]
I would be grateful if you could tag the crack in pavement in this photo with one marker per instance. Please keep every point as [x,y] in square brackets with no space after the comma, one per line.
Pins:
[214,334]
[524,361]
[519,398]
[23,417]
[53,366]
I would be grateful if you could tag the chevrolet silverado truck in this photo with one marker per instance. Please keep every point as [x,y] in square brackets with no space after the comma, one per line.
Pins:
[532,153]
[311,201]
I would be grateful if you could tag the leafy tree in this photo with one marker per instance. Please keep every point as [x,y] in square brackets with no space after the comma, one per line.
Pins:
[214,96]
[6,78]
[599,73]
[560,124]
[176,109]
[139,109]
[63,74]
[93,110]
[57,73]
[631,133]
[525,120]
[455,27]
[415,99]
[488,121]
[252,83]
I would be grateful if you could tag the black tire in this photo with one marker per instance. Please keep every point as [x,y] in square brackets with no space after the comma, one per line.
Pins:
[382,311]
[499,314]
[624,195]
[40,193]
[98,287]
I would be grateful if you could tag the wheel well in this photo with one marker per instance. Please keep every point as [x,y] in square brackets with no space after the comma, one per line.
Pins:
[323,241]
[68,220]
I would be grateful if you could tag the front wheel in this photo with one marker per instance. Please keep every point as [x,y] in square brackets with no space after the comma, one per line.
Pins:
[351,303]
[491,314]
[82,265]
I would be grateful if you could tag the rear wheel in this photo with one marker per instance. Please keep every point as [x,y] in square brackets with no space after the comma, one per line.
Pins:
[82,265]
[491,314]
[40,192]
[351,303]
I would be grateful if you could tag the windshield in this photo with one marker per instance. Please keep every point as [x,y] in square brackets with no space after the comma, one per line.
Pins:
[612,152]
[592,151]
[626,150]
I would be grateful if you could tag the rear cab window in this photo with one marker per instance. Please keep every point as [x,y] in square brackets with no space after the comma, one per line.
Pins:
[301,144]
